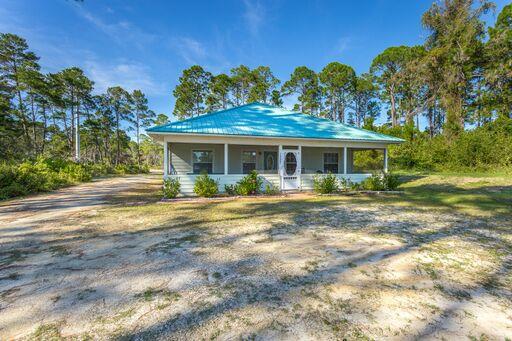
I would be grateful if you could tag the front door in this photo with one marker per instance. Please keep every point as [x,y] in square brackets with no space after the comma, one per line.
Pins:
[289,169]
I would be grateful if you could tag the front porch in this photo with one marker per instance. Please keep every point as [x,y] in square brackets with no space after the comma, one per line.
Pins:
[285,167]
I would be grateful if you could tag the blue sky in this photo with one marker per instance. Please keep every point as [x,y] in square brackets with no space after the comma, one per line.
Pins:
[146,44]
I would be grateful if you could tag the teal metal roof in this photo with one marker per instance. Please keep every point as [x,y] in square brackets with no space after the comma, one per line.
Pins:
[258,119]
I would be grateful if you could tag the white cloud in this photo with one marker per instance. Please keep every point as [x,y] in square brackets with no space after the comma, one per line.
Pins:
[254,16]
[127,74]
[122,32]
[342,45]
[191,50]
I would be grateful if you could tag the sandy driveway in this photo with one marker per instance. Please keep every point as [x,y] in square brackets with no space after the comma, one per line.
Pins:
[106,260]
[24,213]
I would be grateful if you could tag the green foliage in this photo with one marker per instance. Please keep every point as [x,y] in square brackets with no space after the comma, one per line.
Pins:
[205,186]
[49,174]
[171,188]
[325,184]
[191,92]
[339,81]
[304,83]
[270,189]
[381,182]
[485,148]
[230,189]
[249,185]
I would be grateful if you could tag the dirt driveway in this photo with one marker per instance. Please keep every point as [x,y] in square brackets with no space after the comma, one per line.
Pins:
[107,260]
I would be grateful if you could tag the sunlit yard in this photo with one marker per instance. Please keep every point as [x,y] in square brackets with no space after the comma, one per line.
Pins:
[434,261]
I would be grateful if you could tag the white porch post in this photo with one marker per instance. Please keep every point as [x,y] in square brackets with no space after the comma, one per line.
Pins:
[300,167]
[345,160]
[279,161]
[166,158]
[226,163]
[385,160]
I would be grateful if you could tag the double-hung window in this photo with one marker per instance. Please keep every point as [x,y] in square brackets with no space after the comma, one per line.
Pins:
[202,161]
[331,163]
[248,161]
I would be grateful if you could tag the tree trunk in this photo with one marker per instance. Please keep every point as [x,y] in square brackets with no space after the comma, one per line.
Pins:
[118,152]
[393,106]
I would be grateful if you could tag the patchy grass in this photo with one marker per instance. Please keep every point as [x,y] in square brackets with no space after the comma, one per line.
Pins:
[302,266]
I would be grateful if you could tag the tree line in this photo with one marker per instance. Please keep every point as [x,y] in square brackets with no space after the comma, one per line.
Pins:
[58,115]
[460,76]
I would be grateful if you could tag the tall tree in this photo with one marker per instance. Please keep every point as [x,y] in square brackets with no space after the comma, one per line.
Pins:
[455,39]
[388,67]
[263,84]
[303,82]
[242,79]
[219,88]
[338,82]
[191,92]
[16,60]
[365,103]
[143,117]
[76,91]
[498,68]
[119,100]
[276,99]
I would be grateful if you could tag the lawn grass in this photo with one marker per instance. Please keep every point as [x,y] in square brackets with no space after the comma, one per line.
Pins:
[342,265]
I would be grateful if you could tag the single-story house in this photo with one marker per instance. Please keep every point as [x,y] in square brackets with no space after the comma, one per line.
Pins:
[286,148]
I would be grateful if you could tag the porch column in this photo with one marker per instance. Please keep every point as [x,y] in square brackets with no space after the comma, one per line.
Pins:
[226,163]
[385,160]
[345,160]
[299,164]
[279,161]
[166,158]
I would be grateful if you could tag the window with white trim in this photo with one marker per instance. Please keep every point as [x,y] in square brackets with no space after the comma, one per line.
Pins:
[202,161]
[331,163]
[248,161]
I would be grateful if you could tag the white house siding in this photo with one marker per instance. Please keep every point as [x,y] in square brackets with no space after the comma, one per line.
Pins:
[187,181]
[313,159]
[181,157]
[235,157]
[306,180]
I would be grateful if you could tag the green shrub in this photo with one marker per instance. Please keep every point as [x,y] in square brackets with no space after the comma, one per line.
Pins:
[390,181]
[12,190]
[270,189]
[77,172]
[250,184]
[373,183]
[205,186]
[325,184]
[171,188]
[381,182]
[230,189]
[51,173]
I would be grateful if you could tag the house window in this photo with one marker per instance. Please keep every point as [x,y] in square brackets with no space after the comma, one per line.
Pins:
[331,163]
[202,160]
[270,160]
[248,161]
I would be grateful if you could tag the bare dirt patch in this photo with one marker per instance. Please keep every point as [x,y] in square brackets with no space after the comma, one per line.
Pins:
[302,267]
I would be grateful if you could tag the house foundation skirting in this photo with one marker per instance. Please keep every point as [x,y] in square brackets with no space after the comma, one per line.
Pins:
[306,180]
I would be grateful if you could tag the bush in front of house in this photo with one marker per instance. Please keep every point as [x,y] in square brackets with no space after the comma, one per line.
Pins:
[390,181]
[381,182]
[325,184]
[270,189]
[171,188]
[230,189]
[250,184]
[205,186]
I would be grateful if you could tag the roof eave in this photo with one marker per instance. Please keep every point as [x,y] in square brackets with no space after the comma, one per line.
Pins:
[397,141]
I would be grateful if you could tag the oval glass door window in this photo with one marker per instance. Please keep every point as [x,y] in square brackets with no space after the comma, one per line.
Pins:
[291,163]
[270,162]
